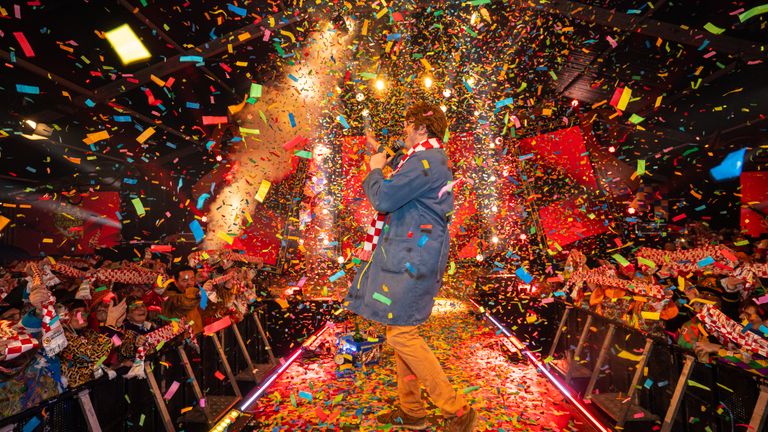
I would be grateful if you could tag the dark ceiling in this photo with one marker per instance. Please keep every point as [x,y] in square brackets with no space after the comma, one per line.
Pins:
[543,54]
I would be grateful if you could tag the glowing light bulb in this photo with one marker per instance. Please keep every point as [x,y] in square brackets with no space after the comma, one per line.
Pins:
[379,84]
[495,239]
[204,218]
[575,103]
[479,257]
[631,210]
[340,260]
[523,236]
[612,149]
[427,82]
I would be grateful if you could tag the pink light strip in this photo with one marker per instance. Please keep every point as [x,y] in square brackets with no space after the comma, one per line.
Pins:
[560,385]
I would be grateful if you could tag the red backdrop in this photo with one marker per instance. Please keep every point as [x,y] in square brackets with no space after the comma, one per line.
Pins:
[754,189]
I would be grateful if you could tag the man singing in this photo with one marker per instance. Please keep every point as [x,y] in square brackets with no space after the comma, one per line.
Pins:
[403,261]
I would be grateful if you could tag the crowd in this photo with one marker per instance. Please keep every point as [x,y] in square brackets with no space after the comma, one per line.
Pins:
[66,322]
[706,291]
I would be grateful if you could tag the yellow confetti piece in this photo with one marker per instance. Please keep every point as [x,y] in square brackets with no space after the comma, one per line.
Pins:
[47,240]
[148,132]
[157,80]
[289,34]
[283,304]
[365,28]
[629,356]
[651,315]
[425,163]
[426,64]
[263,189]
[224,236]
[243,36]
[626,94]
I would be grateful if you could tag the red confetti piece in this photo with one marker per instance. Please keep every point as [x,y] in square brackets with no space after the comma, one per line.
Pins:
[25,46]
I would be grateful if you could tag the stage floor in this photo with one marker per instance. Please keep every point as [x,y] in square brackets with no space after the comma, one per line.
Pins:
[508,395]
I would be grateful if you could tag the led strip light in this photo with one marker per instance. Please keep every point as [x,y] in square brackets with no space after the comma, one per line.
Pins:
[231,416]
[562,387]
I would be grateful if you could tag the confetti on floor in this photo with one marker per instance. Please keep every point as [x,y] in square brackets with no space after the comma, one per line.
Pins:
[507,395]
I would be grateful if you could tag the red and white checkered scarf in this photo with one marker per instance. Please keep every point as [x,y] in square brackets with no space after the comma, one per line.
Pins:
[377,223]
[726,329]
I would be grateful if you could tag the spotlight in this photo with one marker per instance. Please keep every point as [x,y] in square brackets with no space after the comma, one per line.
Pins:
[379,84]
[611,149]
[340,259]
[495,239]
[427,82]
[631,210]
[523,236]
[575,103]
[479,257]
[447,93]
[35,131]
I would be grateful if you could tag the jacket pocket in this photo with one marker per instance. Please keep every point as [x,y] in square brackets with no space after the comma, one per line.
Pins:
[400,255]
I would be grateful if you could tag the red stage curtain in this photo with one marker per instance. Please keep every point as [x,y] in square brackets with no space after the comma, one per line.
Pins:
[754,190]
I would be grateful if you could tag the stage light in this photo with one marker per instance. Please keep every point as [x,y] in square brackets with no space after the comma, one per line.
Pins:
[611,149]
[471,81]
[494,208]
[575,103]
[495,239]
[340,260]
[204,219]
[523,236]
[631,210]
[427,82]
[447,93]
[33,130]
[380,84]
[127,45]
[479,257]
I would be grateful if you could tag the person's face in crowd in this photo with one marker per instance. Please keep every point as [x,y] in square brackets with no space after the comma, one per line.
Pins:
[13,315]
[101,311]
[137,313]
[749,313]
[158,266]
[186,279]
[78,318]
[202,276]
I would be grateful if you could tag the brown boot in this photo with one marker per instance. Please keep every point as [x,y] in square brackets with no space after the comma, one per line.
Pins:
[399,419]
[464,423]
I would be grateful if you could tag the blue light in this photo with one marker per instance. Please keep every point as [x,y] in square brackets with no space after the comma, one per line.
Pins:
[730,167]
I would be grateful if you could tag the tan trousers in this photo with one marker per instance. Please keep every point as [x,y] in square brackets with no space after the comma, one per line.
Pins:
[416,365]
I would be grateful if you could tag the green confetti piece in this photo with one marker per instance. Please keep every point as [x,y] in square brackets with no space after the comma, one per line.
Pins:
[713,28]
[693,383]
[620,259]
[293,400]
[741,243]
[647,262]
[141,420]
[303,154]
[636,119]
[757,10]
[381,298]
[640,167]
[552,74]
[255,90]
[138,206]
[470,389]
[479,2]
[248,131]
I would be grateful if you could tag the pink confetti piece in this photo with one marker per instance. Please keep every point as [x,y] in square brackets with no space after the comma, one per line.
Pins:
[171,390]
[612,41]
[209,120]
[116,340]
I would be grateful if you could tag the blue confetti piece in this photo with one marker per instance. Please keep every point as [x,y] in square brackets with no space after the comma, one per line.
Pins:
[203,299]
[393,37]
[503,103]
[27,89]
[130,181]
[292,120]
[706,261]
[293,78]
[524,157]
[238,10]
[193,105]
[209,144]
[118,216]
[648,383]
[662,383]
[190,59]
[32,424]
[90,103]
[197,231]
[423,240]
[305,395]
[524,275]
[201,200]
[343,122]
[336,276]
[410,268]
[122,118]
[467,86]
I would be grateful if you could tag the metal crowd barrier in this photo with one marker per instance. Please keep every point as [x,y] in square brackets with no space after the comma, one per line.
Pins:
[637,380]
[231,361]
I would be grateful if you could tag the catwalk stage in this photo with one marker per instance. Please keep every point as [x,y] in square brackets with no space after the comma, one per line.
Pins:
[505,389]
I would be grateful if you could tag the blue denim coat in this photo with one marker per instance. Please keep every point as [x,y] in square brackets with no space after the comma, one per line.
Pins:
[407,266]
